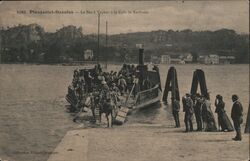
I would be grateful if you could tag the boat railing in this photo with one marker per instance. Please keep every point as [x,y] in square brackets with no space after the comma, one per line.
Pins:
[146,95]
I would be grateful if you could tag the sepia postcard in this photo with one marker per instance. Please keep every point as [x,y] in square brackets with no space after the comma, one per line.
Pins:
[124,80]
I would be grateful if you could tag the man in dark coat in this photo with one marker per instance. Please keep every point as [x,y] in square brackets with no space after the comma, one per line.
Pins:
[237,116]
[197,111]
[188,109]
[175,110]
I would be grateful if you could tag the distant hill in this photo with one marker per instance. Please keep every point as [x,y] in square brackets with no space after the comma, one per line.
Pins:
[221,42]
[25,43]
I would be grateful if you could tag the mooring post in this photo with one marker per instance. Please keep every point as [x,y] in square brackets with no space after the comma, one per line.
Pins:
[199,78]
[171,85]
[247,128]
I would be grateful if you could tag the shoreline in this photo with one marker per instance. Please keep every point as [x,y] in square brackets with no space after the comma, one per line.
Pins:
[115,63]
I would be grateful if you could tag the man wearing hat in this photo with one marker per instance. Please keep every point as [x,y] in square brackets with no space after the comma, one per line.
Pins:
[237,116]
[198,111]
[175,111]
[105,92]
[189,110]
[219,104]
[122,84]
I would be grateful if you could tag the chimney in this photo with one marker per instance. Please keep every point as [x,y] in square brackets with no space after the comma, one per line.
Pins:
[141,57]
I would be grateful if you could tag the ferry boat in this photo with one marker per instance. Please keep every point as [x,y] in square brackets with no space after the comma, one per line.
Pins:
[139,97]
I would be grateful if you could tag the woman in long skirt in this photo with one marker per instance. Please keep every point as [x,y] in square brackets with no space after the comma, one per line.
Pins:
[223,119]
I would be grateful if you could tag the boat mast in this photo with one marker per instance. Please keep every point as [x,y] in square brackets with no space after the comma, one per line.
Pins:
[98,38]
[106,43]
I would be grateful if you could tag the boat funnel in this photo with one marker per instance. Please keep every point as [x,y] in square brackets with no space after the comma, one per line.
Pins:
[141,56]
[141,53]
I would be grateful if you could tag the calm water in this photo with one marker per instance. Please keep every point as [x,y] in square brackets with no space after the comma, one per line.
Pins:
[33,117]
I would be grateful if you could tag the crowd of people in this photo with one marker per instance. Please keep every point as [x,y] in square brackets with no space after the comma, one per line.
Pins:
[122,82]
[103,88]
[200,106]
[106,87]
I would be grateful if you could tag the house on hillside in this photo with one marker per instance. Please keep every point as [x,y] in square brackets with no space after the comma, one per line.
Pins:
[227,59]
[41,57]
[155,59]
[187,58]
[208,59]
[212,59]
[88,54]
[175,59]
[165,59]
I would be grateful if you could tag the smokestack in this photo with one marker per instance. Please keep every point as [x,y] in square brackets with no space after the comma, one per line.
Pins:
[141,56]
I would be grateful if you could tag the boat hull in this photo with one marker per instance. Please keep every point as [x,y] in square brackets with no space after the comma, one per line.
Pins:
[71,97]
[148,97]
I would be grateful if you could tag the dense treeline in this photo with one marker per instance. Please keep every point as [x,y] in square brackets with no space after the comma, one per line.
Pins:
[30,43]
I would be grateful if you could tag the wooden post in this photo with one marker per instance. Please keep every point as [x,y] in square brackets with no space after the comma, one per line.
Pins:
[199,78]
[171,85]
[247,128]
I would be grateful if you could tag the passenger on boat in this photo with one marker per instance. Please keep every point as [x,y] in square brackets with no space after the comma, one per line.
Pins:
[95,100]
[156,68]
[115,92]
[123,70]
[114,88]
[105,92]
[81,88]
[129,83]
[146,84]
[133,69]
[108,79]
[75,78]
[99,68]
[89,82]
[114,78]
[100,79]
[122,84]
[223,120]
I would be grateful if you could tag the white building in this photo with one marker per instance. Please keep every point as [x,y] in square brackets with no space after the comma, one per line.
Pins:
[177,61]
[88,54]
[155,59]
[165,59]
[212,59]
[227,59]
[209,59]
[187,58]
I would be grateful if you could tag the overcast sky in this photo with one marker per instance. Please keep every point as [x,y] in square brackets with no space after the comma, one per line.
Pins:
[165,15]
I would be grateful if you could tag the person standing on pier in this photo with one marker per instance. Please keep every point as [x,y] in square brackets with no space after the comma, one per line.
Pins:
[197,111]
[223,120]
[175,110]
[188,109]
[237,116]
